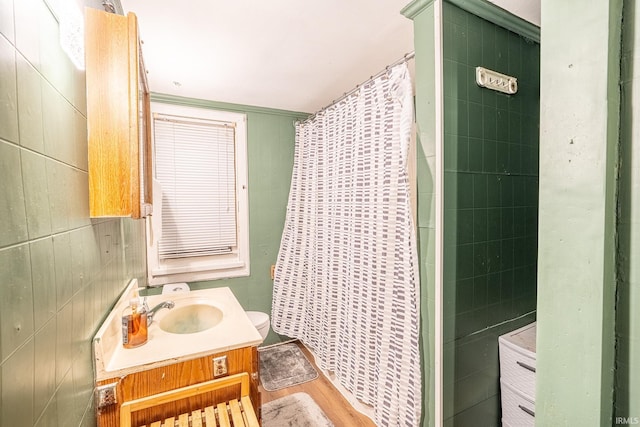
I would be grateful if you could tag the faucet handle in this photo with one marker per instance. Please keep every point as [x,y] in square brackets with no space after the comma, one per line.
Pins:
[151,313]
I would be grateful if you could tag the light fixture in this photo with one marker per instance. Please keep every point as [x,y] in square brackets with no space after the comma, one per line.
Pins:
[71,28]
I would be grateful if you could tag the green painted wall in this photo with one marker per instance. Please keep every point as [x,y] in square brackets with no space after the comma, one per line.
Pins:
[579,122]
[270,145]
[60,272]
[425,84]
[491,203]
[627,393]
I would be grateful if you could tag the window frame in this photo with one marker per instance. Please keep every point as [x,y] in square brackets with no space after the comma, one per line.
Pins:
[212,267]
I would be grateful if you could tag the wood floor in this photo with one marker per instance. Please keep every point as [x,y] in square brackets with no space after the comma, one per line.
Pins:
[334,405]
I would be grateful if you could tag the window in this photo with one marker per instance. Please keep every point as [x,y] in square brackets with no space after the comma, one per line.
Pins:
[199,229]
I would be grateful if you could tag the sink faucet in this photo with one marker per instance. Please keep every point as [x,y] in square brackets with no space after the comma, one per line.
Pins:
[150,313]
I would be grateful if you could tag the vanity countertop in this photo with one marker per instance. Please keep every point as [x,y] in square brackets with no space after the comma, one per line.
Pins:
[234,330]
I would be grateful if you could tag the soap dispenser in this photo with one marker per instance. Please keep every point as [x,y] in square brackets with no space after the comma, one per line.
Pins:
[134,324]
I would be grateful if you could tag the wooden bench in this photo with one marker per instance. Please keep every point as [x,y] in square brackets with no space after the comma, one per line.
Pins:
[236,412]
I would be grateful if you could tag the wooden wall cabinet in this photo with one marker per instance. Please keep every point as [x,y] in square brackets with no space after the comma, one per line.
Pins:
[118,117]
[156,380]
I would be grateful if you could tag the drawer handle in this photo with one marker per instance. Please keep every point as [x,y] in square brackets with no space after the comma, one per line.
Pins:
[527,367]
[527,410]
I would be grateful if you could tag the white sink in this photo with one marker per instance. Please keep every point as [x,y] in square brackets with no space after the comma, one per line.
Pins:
[202,322]
[189,316]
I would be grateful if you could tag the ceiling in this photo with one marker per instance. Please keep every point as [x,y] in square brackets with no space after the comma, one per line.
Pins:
[284,54]
[528,10]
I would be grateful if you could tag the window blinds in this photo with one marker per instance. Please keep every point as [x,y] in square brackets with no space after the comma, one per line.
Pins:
[195,164]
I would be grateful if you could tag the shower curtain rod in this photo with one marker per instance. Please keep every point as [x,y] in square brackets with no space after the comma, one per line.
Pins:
[405,58]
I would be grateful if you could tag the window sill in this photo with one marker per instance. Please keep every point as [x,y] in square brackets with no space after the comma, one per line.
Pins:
[159,277]
[227,265]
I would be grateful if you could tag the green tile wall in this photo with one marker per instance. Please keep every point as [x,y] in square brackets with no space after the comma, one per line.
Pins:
[60,272]
[270,148]
[627,392]
[491,202]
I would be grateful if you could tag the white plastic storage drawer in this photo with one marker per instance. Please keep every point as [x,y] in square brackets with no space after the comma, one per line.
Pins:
[518,359]
[517,409]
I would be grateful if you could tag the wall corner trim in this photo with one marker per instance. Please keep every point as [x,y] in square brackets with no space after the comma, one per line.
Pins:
[415,7]
[484,10]
[204,103]
[500,17]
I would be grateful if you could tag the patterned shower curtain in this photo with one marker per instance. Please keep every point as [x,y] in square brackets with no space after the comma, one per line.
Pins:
[346,280]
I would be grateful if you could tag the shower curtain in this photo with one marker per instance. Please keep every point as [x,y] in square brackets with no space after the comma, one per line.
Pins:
[346,280]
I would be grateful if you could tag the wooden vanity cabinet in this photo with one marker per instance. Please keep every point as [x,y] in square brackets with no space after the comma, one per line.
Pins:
[173,376]
[118,117]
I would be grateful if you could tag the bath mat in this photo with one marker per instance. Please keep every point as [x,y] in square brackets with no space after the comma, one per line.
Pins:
[298,409]
[284,365]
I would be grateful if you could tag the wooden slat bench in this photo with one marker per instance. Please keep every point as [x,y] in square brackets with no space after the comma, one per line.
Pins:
[236,412]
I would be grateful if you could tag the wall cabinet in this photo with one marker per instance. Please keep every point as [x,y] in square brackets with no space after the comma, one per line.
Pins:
[153,381]
[118,121]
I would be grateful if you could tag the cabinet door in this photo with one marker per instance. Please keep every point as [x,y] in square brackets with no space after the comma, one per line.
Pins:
[117,117]
[170,377]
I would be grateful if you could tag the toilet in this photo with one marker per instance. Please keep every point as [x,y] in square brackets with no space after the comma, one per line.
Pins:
[261,321]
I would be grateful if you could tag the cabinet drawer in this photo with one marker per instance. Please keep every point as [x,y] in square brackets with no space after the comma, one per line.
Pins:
[517,409]
[518,369]
[518,361]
